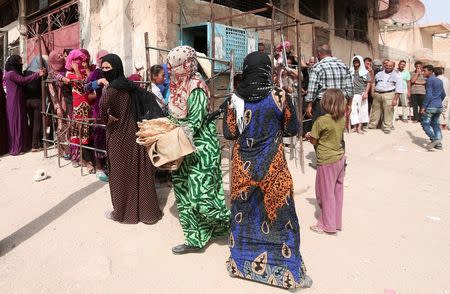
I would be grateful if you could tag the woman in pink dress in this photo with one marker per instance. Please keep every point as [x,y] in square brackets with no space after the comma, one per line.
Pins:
[77,72]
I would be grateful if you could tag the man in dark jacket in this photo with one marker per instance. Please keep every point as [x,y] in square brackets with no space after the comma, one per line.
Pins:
[432,108]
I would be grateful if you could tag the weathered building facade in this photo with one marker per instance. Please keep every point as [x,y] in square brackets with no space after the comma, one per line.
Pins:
[350,26]
[428,43]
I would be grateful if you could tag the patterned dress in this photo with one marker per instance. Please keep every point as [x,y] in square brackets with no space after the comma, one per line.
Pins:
[198,182]
[265,233]
[82,111]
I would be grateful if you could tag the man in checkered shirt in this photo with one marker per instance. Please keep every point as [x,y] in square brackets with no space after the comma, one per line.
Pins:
[329,73]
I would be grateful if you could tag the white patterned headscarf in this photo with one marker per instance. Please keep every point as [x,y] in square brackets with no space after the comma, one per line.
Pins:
[184,78]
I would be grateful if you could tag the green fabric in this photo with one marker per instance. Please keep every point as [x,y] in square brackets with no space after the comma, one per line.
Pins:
[197,183]
[406,76]
[329,133]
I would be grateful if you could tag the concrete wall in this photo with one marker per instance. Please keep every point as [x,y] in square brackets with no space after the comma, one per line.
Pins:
[118,26]
[414,41]
[342,48]
[199,11]
[417,44]
[13,31]
[441,50]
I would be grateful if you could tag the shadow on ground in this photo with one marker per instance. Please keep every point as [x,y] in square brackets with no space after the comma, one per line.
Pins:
[163,191]
[35,226]
[313,201]
[421,142]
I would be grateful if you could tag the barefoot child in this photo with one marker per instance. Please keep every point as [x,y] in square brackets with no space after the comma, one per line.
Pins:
[327,137]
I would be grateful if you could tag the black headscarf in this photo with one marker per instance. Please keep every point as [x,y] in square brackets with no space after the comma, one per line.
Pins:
[13,63]
[256,81]
[143,103]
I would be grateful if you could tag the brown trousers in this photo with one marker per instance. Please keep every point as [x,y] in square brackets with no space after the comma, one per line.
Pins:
[382,107]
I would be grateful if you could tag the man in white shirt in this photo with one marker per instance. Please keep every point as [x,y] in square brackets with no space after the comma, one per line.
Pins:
[388,87]
[445,115]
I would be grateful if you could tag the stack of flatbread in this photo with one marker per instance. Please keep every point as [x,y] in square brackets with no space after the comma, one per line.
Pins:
[151,130]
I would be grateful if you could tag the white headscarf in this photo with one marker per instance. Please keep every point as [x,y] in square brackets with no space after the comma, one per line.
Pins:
[362,69]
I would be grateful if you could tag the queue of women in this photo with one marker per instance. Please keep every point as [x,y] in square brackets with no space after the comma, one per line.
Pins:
[262,223]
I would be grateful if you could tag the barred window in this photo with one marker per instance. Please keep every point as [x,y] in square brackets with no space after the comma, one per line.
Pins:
[317,9]
[351,20]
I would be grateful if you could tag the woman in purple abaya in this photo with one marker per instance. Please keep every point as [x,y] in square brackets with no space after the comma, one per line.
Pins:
[3,121]
[18,135]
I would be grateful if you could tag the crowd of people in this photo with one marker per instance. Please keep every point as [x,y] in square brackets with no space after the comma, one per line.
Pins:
[378,93]
[262,223]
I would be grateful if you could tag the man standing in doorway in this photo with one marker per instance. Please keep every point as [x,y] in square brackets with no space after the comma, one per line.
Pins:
[328,73]
[418,82]
[432,108]
[388,87]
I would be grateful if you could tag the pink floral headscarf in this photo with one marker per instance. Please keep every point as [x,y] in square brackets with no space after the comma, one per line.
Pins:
[75,56]
[184,78]
[286,45]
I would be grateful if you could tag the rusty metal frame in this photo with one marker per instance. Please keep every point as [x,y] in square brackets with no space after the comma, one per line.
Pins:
[50,18]
[273,28]
[56,142]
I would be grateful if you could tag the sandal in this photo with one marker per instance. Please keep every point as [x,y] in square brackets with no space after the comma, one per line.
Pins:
[102,176]
[90,168]
[318,230]
[110,215]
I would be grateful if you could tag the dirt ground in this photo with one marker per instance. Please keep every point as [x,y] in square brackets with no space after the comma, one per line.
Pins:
[54,237]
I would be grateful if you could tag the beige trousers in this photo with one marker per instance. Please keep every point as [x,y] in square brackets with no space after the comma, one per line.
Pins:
[382,107]
[445,111]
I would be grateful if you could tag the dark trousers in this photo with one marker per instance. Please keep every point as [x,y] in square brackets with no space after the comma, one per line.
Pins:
[417,101]
[34,115]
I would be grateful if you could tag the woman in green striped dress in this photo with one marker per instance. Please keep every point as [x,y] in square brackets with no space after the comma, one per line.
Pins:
[198,182]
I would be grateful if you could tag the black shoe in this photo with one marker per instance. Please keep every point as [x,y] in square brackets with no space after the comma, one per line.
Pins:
[438,147]
[185,249]
[386,131]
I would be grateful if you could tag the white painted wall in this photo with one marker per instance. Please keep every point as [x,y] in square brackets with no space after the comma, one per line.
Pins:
[13,31]
[118,26]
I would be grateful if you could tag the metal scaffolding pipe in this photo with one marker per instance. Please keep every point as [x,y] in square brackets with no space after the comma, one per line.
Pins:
[254,11]
[201,57]
[5,45]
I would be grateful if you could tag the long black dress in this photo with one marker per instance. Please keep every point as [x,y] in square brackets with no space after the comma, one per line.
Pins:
[131,175]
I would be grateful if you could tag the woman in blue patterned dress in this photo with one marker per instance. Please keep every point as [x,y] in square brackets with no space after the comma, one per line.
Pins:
[265,233]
